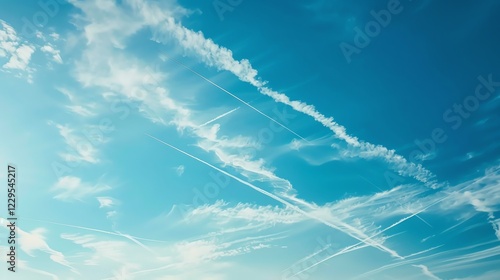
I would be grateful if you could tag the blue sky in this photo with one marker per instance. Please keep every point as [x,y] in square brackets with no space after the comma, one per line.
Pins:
[252,140]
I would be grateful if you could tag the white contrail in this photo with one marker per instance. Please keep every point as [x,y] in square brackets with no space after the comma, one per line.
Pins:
[222,58]
[405,219]
[460,223]
[427,272]
[431,204]
[309,256]
[349,228]
[343,251]
[97,230]
[400,204]
[218,117]
[423,251]
[239,99]
[136,242]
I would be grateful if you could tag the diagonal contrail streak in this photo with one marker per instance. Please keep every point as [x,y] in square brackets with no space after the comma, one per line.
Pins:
[136,242]
[366,240]
[415,214]
[218,117]
[459,224]
[346,250]
[400,204]
[423,251]
[98,230]
[341,252]
[309,256]
[239,99]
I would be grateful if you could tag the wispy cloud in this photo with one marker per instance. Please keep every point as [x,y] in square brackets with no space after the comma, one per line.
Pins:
[80,149]
[20,58]
[24,266]
[427,272]
[55,53]
[80,110]
[17,51]
[70,188]
[34,241]
[106,202]
[221,213]
[180,170]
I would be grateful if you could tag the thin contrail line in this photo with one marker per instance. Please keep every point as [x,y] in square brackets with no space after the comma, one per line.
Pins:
[460,223]
[97,230]
[367,240]
[218,117]
[400,204]
[239,99]
[423,252]
[343,251]
[425,208]
[137,242]
[309,256]
[403,220]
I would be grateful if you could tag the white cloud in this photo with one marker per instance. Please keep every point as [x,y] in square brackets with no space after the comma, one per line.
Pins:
[179,170]
[12,48]
[66,92]
[80,110]
[49,49]
[222,213]
[31,242]
[8,40]
[105,202]
[77,106]
[427,272]
[111,214]
[55,36]
[80,148]
[20,58]
[70,188]
[482,194]
[183,259]
[24,266]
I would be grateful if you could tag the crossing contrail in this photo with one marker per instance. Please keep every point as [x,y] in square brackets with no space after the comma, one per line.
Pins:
[239,99]
[397,201]
[343,251]
[341,227]
[359,244]
[346,250]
